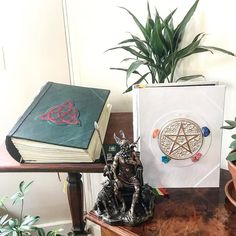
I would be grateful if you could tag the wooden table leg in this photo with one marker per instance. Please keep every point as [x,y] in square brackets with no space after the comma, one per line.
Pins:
[75,197]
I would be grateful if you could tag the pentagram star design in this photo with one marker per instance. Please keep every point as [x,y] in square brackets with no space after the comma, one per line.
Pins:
[180,139]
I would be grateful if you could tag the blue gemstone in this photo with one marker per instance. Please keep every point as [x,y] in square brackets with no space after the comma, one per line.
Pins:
[205,131]
[165,159]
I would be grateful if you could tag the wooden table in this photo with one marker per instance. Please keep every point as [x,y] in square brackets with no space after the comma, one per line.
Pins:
[189,211]
[75,186]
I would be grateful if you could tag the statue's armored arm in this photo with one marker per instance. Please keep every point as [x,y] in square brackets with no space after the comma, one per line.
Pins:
[138,161]
[114,166]
[135,156]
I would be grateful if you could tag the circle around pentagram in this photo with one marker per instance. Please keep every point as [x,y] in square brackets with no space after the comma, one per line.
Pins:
[180,139]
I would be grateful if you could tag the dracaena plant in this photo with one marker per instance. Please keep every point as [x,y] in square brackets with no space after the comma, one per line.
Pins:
[22,225]
[231,124]
[158,50]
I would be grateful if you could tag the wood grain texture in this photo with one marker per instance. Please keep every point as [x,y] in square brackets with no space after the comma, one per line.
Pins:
[119,121]
[188,211]
[75,198]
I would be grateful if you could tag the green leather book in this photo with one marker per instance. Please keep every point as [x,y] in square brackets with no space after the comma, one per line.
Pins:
[58,126]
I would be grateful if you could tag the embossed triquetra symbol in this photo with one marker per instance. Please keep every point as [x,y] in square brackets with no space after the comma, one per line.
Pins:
[180,139]
[64,113]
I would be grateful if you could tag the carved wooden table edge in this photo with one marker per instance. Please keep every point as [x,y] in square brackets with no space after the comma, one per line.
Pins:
[120,230]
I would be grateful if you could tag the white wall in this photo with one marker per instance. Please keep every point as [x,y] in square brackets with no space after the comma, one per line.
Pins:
[33,41]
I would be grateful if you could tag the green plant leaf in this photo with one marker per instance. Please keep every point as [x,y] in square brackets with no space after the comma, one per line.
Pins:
[3,219]
[148,10]
[154,43]
[26,228]
[14,233]
[128,59]
[50,233]
[233,136]
[126,41]
[149,26]
[54,232]
[175,57]
[227,127]
[189,77]
[149,23]
[233,145]
[26,186]
[17,197]
[199,49]
[29,220]
[191,47]
[21,185]
[6,232]
[231,123]
[159,27]
[219,50]
[174,65]
[141,45]
[134,52]
[41,232]
[140,26]
[133,66]
[123,69]
[12,223]
[157,40]
[169,36]
[181,27]
[2,201]
[169,17]
[231,156]
[137,82]
[188,50]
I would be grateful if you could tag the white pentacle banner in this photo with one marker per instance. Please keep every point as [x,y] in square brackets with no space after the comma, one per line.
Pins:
[180,135]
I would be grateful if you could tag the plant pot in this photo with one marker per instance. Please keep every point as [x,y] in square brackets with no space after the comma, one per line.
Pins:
[232,170]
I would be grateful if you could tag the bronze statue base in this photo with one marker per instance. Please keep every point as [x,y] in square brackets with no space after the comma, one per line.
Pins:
[110,209]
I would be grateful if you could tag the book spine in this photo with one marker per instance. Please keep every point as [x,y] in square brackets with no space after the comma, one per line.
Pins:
[105,103]
[8,141]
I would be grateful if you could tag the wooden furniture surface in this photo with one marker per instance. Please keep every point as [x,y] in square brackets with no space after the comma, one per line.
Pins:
[188,211]
[75,186]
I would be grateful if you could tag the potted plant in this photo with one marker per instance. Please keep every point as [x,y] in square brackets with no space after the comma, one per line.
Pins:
[158,52]
[231,158]
[22,225]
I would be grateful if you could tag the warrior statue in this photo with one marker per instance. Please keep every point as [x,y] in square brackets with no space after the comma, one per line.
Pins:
[124,199]
[127,170]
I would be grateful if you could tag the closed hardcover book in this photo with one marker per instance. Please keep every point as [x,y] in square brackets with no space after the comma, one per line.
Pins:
[58,126]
